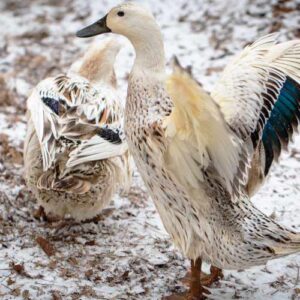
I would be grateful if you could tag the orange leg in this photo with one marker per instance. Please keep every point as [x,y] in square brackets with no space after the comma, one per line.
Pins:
[195,286]
[206,279]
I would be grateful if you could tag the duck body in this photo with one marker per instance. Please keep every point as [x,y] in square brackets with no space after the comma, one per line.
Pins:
[75,153]
[194,150]
[197,206]
[202,221]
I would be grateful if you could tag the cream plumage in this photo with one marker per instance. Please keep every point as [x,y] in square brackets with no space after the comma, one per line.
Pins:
[194,149]
[75,152]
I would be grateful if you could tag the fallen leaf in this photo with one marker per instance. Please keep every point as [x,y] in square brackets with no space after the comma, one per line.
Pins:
[46,246]
[19,268]
[90,243]
[73,261]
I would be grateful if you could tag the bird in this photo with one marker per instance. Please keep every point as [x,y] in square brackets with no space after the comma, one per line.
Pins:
[194,149]
[75,153]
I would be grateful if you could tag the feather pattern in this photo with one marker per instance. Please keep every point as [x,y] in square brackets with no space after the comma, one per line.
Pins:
[75,152]
[197,126]
[193,149]
[69,112]
[283,122]
[257,94]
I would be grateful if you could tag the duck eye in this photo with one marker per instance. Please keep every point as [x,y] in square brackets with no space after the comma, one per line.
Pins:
[120,13]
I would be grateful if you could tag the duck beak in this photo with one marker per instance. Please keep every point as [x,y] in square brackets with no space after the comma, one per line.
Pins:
[96,28]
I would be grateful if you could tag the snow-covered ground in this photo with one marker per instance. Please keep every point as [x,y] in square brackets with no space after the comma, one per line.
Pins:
[127,254]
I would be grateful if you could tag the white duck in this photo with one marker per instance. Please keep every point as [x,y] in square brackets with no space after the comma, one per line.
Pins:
[193,149]
[75,153]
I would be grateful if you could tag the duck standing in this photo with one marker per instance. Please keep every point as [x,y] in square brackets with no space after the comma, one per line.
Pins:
[194,149]
[75,153]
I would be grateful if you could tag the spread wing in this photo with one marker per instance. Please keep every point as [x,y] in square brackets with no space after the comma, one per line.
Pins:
[259,96]
[71,115]
[199,137]
[256,102]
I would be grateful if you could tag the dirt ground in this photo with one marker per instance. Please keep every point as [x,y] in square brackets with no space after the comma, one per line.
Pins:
[126,254]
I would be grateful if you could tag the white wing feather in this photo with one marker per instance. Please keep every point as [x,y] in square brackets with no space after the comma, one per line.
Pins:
[87,109]
[223,130]
[45,121]
[95,148]
[198,134]
[260,68]
[250,86]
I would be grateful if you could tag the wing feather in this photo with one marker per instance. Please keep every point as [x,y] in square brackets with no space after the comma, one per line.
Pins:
[258,94]
[199,136]
[70,114]
[255,104]
[45,122]
[105,144]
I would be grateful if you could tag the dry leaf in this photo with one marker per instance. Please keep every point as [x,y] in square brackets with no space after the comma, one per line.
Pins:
[46,246]
[90,243]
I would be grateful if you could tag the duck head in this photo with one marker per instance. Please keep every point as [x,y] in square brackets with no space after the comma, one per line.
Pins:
[137,23]
[128,19]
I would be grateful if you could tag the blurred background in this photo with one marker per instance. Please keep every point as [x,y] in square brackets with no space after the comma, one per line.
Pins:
[127,255]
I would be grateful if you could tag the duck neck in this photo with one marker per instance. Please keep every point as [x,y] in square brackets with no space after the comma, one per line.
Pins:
[150,54]
[99,67]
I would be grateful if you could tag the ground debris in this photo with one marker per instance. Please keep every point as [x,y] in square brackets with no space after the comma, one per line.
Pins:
[47,247]
[19,269]
[124,253]
[56,295]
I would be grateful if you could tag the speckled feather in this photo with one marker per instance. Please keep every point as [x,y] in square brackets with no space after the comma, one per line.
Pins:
[75,151]
[185,143]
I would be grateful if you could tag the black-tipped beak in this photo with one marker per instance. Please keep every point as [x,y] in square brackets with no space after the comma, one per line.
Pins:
[96,28]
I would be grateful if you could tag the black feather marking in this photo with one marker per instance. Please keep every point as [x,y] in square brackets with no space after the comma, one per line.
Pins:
[272,146]
[255,138]
[53,104]
[109,135]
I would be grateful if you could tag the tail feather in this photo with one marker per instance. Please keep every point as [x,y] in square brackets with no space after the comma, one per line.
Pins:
[290,247]
[260,238]
[280,241]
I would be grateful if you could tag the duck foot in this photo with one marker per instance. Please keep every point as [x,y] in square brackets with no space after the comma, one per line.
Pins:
[95,220]
[206,279]
[40,214]
[196,290]
[68,223]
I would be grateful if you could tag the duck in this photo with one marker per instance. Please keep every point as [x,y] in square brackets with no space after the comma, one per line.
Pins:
[75,153]
[194,149]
